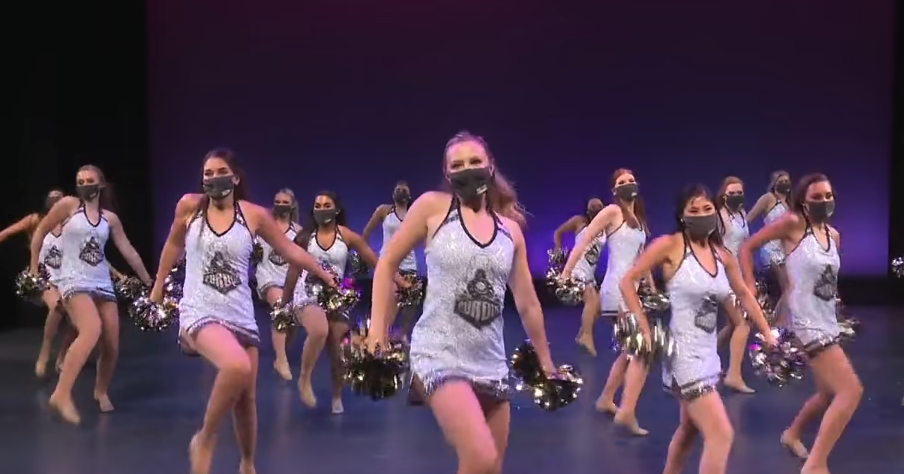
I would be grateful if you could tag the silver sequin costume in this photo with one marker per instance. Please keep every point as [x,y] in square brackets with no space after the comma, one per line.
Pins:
[84,266]
[336,255]
[585,269]
[51,256]
[695,369]
[459,336]
[271,271]
[216,289]
[391,224]
[736,232]
[813,276]
[772,253]
[625,244]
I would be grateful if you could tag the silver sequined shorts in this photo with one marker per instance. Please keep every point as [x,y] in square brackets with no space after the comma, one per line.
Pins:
[690,378]
[263,288]
[245,337]
[486,391]
[101,294]
[815,341]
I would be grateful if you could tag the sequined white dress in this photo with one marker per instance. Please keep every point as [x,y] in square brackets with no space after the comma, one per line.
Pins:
[585,269]
[84,266]
[695,368]
[459,336]
[736,232]
[813,276]
[772,253]
[271,271]
[336,255]
[51,256]
[391,224]
[216,289]
[625,244]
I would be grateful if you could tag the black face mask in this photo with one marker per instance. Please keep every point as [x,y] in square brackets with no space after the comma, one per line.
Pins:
[469,184]
[734,202]
[219,187]
[400,196]
[325,216]
[626,192]
[700,227]
[783,188]
[87,192]
[282,210]
[591,213]
[820,211]
[51,200]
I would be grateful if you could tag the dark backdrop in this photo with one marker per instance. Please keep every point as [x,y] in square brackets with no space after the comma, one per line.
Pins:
[318,99]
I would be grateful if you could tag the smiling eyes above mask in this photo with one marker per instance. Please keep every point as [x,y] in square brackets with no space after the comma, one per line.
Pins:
[627,192]
[219,187]
[325,216]
[469,184]
[734,202]
[700,227]
[820,211]
[87,192]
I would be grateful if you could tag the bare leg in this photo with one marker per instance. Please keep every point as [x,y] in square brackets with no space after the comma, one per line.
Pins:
[468,429]
[606,401]
[109,353]
[635,378]
[313,319]
[781,306]
[337,365]
[681,444]
[244,418]
[708,415]
[69,336]
[84,315]
[737,347]
[588,317]
[234,371]
[281,362]
[51,298]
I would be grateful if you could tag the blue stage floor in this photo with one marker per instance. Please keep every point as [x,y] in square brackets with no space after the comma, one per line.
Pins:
[160,395]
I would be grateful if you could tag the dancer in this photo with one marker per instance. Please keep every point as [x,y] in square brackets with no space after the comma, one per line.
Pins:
[85,284]
[391,216]
[772,206]
[585,269]
[733,229]
[812,260]
[474,247]
[51,258]
[699,274]
[270,273]
[625,226]
[327,239]
[216,315]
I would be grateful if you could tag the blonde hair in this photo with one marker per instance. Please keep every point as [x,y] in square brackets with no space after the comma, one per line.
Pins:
[501,195]
[293,214]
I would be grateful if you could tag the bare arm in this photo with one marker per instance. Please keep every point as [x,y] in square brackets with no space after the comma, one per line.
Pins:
[764,203]
[412,231]
[24,224]
[126,249]
[571,225]
[358,244]
[270,232]
[56,216]
[175,241]
[526,301]
[374,221]
[118,275]
[292,275]
[654,255]
[597,225]
[778,230]
[742,291]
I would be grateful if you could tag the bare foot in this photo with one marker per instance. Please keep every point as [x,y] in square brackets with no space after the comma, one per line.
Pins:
[306,392]
[283,369]
[738,385]
[103,401]
[247,467]
[200,453]
[606,406]
[629,422]
[586,343]
[337,408]
[65,409]
[795,446]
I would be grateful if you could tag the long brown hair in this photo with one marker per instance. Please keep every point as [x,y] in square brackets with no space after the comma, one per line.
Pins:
[241,190]
[501,195]
[720,200]
[640,209]
[106,197]
[800,191]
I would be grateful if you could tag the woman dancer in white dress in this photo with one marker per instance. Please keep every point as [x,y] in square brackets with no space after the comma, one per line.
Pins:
[216,231]
[585,269]
[270,273]
[812,260]
[772,206]
[474,247]
[391,217]
[85,284]
[625,227]
[700,274]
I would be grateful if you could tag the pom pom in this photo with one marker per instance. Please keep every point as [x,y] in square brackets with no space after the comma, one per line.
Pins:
[129,289]
[549,392]
[154,317]
[413,296]
[339,300]
[355,267]
[379,375]
[257,253]
[652,301]
[557,258]
[31,287]
[848,326]
[282,315]
[897,266]
[781,364]
[628,336]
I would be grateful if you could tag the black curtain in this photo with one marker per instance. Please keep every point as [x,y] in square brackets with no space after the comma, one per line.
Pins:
[78,97]
[896,176]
